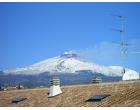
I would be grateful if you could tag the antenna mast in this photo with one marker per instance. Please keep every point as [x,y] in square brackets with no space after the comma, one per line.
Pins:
[122,44]
[123,50]
[122,35]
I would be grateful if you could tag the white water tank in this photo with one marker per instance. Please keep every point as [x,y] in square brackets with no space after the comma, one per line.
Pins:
[130,75]
[54,87]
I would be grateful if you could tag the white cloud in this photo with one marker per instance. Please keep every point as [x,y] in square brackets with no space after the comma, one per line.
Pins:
[107,53]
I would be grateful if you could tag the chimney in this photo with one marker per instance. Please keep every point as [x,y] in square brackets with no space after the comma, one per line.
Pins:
[54,87]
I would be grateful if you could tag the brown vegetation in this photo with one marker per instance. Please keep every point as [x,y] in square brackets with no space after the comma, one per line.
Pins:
[122,94]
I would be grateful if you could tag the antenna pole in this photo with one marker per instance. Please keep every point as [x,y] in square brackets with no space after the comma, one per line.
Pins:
[122,37]
[122,41]
[122,28]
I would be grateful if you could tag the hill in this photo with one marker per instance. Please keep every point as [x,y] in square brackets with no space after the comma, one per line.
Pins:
[123,93]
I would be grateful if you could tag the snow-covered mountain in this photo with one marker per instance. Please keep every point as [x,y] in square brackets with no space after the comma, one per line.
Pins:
[66,63]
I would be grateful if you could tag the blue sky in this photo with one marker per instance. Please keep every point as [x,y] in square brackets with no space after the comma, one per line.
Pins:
[30,32]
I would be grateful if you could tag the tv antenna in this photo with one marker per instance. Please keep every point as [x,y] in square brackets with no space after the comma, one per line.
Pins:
[121,43]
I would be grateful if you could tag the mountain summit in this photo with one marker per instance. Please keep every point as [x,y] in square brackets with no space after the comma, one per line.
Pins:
[70,55]
[68,62]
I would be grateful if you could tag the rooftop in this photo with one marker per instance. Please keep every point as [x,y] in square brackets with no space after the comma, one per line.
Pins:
[124,93]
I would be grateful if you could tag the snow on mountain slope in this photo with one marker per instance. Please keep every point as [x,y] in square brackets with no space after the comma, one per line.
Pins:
[66,63]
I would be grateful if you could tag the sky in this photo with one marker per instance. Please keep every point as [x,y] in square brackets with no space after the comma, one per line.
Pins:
[31,32]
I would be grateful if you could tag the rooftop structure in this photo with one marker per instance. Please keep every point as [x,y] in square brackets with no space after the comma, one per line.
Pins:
[96,80]
[130,75]
[54,87]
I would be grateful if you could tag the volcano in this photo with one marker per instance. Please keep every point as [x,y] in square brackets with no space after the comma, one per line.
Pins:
[69,66]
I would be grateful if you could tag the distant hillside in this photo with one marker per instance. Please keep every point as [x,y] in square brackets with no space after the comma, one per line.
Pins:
[32,81]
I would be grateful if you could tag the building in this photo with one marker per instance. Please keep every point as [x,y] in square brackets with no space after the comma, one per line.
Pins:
[96,80]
